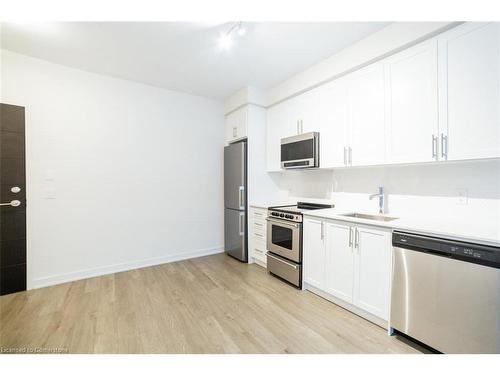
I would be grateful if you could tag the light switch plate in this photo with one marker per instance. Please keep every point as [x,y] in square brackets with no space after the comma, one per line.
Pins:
[50,193]
[462,198]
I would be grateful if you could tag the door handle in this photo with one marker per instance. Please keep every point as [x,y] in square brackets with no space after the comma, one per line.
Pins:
[356,239]
[444,146]
[294,266]
[350,155]
[13,203]
[322,232]
[234,132]
[345,155]
[434,146]
[350,236]
[241,224]
[241,189]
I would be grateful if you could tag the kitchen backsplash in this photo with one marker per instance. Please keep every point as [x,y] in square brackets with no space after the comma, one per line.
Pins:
[453,188]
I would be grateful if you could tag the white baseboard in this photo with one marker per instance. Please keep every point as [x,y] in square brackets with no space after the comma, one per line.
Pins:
[120,267]
[356,310]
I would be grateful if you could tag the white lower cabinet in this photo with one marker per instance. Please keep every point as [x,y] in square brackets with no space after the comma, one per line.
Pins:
[372,270]
[339,261]
[350,262]
[257,235]
[313,236]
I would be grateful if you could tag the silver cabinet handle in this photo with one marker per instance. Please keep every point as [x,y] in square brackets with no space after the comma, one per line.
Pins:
[13,203]
[298,128]
[241,189]
[322,231]
[301,126]
[234,132]
[356,239]
[350,236]
[350,155]
[282,261]
[444,146]
[345,155]
[241,224]
[434,146]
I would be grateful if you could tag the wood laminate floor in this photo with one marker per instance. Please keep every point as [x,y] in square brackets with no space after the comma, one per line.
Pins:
[213,304]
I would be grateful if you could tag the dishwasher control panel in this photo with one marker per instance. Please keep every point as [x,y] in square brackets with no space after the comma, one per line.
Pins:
[474,253]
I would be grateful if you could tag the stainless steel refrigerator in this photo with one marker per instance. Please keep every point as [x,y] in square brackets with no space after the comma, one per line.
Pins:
[235,201]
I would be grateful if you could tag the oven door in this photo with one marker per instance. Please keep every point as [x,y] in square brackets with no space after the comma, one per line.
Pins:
[285,238]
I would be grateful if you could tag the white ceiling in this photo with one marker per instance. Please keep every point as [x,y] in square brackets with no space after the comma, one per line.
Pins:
[185,56]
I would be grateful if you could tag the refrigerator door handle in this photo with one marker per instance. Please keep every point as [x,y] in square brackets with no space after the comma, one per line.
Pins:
[241,224]
[241,202]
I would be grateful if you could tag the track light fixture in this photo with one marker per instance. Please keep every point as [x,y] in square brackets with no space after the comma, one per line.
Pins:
[226,38]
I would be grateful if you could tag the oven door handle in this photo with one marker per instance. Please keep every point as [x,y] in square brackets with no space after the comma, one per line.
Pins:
[283,223]
[281,260]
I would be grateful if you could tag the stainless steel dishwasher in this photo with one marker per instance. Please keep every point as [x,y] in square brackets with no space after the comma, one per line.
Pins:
[446,294]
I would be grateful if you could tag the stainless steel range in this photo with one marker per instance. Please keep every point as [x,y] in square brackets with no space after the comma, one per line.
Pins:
[284,240]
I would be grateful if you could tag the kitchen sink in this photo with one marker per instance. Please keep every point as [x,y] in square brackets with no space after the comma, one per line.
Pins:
[370,217]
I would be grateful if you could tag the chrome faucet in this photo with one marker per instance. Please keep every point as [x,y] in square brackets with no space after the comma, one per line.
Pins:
[381,198]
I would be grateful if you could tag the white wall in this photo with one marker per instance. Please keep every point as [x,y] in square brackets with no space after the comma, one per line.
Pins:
[412,190]
[119,174]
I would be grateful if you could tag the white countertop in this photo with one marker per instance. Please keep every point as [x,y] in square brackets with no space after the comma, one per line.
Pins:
[266,205]
[462,230]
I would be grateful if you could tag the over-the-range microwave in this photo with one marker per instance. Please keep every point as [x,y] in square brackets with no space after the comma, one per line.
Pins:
[300,151]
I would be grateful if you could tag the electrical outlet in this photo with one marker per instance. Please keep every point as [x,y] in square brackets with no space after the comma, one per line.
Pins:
[462,196]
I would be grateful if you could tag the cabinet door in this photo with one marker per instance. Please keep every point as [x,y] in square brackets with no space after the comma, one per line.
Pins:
[231,126]
[314,253]
[334,127]
[366,115]
[412,105]
[277,128]
[339,260]
[469,63]
[308,105]
[236,125]
[241,123]
[372,269]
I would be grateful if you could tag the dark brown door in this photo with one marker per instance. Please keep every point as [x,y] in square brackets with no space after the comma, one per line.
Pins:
[12,200]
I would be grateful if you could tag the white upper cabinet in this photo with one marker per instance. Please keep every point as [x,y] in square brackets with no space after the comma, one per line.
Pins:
[366,100]
[314,258]
[236,125]
[277,126]
[412,104]
[438,100]
[372,270]
[291,117]
[308,110]
[469,66]
[333,120]
[339,260]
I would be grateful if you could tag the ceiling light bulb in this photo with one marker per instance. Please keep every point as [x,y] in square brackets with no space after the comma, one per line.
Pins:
[225,41]
[241,31]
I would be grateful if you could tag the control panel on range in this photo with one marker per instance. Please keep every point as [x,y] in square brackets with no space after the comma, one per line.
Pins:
[285,216]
